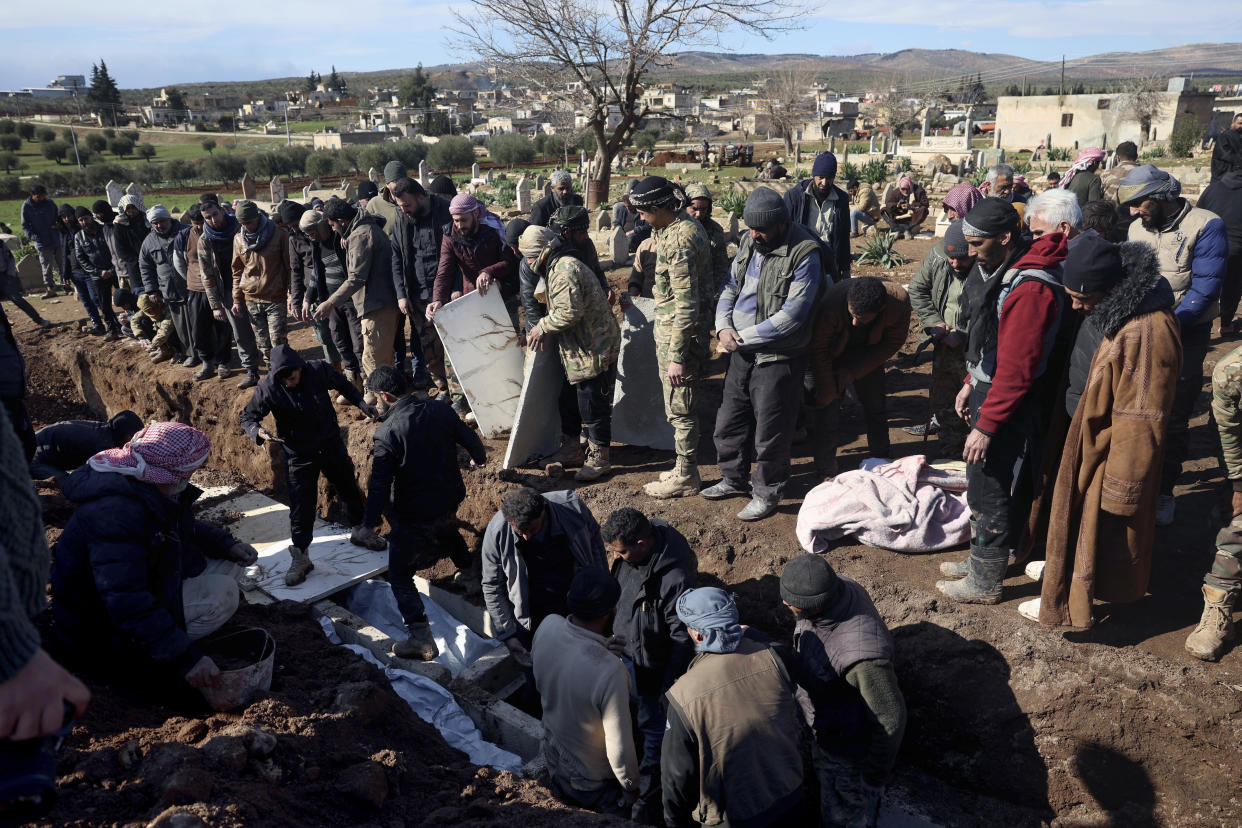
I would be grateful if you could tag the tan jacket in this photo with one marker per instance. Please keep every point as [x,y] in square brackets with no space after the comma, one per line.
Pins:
[834,365]
[867,201]
[261,275]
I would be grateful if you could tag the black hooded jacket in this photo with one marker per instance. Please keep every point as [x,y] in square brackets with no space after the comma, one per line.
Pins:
[304,414]
[68,445]
[1224,198]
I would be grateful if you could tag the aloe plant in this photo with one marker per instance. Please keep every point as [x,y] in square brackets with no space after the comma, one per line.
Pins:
[880,251]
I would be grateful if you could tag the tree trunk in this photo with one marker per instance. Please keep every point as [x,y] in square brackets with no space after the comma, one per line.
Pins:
[597,186]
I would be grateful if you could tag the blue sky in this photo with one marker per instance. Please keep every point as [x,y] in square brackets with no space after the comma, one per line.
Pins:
[201,42]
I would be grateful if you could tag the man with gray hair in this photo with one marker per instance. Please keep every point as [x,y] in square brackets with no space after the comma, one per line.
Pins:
[1054,211]
[999,184]
[1193,250]
[562,195]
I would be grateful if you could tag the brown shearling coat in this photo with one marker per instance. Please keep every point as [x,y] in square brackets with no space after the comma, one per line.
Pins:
[835,366]
[1104,502]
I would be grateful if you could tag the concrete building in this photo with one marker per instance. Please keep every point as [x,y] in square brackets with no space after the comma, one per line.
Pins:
[1101,120]
[335,140]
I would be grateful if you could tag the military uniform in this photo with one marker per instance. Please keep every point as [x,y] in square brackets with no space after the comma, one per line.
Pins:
[683,281]
[1226,572]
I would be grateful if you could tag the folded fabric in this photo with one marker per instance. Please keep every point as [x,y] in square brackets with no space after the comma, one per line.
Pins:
[905,506]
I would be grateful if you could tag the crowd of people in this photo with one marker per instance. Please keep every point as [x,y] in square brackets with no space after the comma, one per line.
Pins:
[1069,332]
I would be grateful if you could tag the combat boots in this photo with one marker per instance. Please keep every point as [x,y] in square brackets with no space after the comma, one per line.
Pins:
[683,482]
[421,645]
[299,568]
[598,463]
[1207,642]
[571,453]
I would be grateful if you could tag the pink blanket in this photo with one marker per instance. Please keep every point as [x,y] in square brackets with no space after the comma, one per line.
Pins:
[906,506]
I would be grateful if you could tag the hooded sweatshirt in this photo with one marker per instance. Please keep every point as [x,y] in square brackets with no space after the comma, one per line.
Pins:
[304,414]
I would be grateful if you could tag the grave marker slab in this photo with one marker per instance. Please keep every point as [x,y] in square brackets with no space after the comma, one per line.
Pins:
[638,397]
[537,426]
[479,339]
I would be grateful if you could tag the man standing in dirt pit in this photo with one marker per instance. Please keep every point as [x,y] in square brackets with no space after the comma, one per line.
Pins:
[683,276]
[134,576]
[843,667]
[654,565]
[417,230]
[861,323]
[416,481]
[588,741]
[764,320]
[1223,582]
[295,392]
[738,698]
[62,447]
[215,261]
[211,337]
[1015,306]
[531,549]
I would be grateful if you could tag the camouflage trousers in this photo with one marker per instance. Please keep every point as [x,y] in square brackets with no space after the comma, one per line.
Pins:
[679,407]
[1226,571]
[948,370]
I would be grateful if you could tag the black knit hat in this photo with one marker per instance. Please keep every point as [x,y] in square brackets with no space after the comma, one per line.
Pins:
[1093,265]
[102,207]
[123,298]
[573,217]
[394,171]
[955,246]
[338,209]
[593,593]
[367,189]
[247,211]
[764,208]
[124,425]
[514,229]
[442,185]
[990,218]
[82,212]
[809,584]
[290,212]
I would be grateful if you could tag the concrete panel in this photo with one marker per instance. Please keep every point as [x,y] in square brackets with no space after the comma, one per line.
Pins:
[638,400]
[537,427]
[479,339]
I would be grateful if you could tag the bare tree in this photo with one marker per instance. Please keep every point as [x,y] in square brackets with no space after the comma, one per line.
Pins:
[786,102]
[562,118]
[595,55]
[1143,99]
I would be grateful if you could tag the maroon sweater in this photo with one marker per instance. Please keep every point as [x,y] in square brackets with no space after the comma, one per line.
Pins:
[485,253]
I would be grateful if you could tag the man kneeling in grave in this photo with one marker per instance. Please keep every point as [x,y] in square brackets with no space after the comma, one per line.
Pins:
[415,479]
[134,574]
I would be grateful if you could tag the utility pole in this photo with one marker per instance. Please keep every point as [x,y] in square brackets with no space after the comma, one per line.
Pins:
[1062,74]
[288,139]
[74,135]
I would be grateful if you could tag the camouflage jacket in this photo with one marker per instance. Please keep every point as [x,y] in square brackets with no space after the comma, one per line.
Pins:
[1111,179]
[1227,408]
[683,279]
[720,268]
[587,334]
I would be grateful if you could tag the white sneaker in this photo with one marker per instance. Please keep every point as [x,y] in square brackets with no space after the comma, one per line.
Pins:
[1029,609]
[1035,570]
[1166,508]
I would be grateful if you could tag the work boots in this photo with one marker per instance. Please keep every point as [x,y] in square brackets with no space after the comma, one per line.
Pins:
[684,482]
[420,646]
[364,537]
[300,567]
[982,584]
[114,332]
[571,453]
[250,380]
[1207,642]
[598,463]
[960,569]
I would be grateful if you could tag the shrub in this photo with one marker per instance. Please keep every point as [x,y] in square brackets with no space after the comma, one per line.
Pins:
[904,164]
[55,151]
[224,167]
[109,133]
[120,147]
[99,174]
[95,142]
[848,171]
[410,152]
[879,251]
[1154,152]
[1021,167]
[10,143]
[1060,154]
[322,162]
[26,130]
[180,170]
[511,149]
[874,171]
[146,151]
[208,145]
[732,203]
[451,152]
[8,126]
[10,186]
[1184,139]
[47,136]
[131,134]
[9,161]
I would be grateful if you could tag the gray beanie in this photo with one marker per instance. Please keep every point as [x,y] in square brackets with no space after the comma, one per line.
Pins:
[809,584]
[394,171]
[765,208]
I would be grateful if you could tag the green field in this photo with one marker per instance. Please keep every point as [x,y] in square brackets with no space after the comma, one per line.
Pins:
[11,210]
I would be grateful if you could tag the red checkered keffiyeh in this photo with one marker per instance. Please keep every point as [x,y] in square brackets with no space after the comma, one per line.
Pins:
[160,453]
[962,198]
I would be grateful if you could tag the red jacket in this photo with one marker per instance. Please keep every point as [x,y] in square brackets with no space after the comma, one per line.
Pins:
[485,253]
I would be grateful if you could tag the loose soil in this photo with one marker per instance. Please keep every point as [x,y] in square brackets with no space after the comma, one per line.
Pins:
[1009,724]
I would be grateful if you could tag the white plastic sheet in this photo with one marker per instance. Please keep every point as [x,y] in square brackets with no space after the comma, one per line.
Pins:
[459,646]
[436,706]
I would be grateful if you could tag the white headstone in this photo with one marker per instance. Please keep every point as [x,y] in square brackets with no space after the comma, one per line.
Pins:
[537,427]
[134,190]
[277,188]
[872,150]
[423,177]
[479,339]
[637,407]
[523,195]
[475,172]
[618,246]
[490,176]
[114,191]
[306,193]
[374,176]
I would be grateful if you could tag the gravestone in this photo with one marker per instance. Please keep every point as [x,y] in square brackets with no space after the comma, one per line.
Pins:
[872,149]
[603,221]
[537,426]
[798,152]
[523,195]
[637,401]
[30,272]
[315,185]
[373,176]
[845,156]
[541,184]
[490,177]
[996,138]
[247,187]
[832,143]
[277,188]
[10,241]
[306,193]
[925,129]
[733,228]
[134,190]
[423,177]
[114,191]
[483,348]
[1048,141]
[618,246]
[474,170]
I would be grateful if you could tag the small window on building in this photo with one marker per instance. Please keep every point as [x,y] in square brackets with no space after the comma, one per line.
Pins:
[1067,119]
[1103,103]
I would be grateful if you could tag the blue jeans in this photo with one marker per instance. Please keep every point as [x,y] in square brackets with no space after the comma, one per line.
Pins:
[88,295]
[859,219]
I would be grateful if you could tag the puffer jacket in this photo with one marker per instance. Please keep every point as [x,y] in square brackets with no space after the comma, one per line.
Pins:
[261,275]
[1193,249]
[90,248]
[368,267]
[157,264]
[118,567]
[485,252]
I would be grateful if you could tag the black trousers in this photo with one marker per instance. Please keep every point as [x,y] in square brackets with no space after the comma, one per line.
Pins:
[567,405]
[595,405]
[757,419]
[1231,290]
[346,330]
[824,424]
[414,544]
[302,470]
[1196,342]
[996,489]
[211,341]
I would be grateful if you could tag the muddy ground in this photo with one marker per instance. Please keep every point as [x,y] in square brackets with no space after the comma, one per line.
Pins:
[1009,723]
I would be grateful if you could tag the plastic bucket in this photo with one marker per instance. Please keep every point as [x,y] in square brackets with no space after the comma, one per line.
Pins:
[236,687]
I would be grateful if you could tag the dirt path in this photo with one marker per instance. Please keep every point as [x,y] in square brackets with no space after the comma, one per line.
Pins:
[1009,724]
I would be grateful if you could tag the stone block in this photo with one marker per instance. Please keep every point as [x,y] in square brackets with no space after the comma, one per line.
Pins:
[537,426]
[638,398]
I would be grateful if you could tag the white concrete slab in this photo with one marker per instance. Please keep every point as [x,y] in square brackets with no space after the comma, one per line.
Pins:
[264,524]
[537,427]
[638,400]
[479,339]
